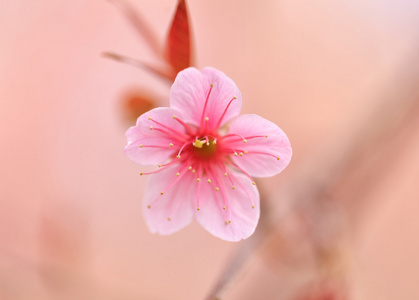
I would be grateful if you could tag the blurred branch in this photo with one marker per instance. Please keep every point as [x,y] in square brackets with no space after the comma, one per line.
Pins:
[169,76]
[324,169]
[139,24]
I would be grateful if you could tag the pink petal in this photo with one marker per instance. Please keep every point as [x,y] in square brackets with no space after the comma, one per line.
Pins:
[239,210]
[275,146]
[176,203]
[140,134]
[189,92]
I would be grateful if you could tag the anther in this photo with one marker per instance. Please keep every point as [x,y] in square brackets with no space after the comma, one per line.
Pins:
[244,141]
[174,117]
[198,209]
[161,193]
[254,183]
[245,152]
[266,136]
[177,174]
[233,187]
[217,189]
[178,156]
[253,206]
[225,174]
[206,119]
[190,168]
[214,142]
[241,154]
[193,171]
[141,145]
[169,219]
[229,221]
[151,127]
[226,222]
[198,144]
[149,118]
[235,153]
[211,85]
[209,180]
[277,158]
[159,165]
[171,145]
[198,180]
[141,174]
[149,206]
[224,207]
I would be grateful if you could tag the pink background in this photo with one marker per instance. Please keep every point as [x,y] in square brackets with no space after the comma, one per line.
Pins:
[71,226]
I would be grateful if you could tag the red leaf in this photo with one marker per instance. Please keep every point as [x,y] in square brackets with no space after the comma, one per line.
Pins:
[178,53]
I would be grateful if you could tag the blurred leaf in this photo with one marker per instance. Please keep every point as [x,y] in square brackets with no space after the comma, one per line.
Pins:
[135,103]
[177,52]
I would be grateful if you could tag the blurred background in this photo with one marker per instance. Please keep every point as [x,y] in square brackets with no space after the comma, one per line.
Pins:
[340,77]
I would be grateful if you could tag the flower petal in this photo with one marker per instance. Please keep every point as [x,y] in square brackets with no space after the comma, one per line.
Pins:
[239,210]
[175,203]
[190,90]
[152,147]
[263,152]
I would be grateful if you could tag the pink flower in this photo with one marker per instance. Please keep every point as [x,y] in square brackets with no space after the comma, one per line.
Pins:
[206,155]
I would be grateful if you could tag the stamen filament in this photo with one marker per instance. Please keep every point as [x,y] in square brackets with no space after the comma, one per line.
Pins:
[264,153]
[245,190]
[205,106]
[167,127]
[187,127]
[172,135]
[181,149]
[244,172]
[222,116]
[155,146]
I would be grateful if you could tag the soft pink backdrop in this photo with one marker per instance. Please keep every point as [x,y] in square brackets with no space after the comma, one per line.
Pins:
[70,218]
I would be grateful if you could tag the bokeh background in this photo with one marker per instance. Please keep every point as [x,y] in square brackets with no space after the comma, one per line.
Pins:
[71,225]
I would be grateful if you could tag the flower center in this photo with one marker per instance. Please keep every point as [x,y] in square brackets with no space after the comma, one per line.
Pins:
[204,148]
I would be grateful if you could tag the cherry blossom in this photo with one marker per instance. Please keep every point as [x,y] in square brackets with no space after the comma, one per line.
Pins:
[206,156]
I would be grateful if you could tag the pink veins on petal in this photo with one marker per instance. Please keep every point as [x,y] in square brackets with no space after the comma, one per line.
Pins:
[206,156]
